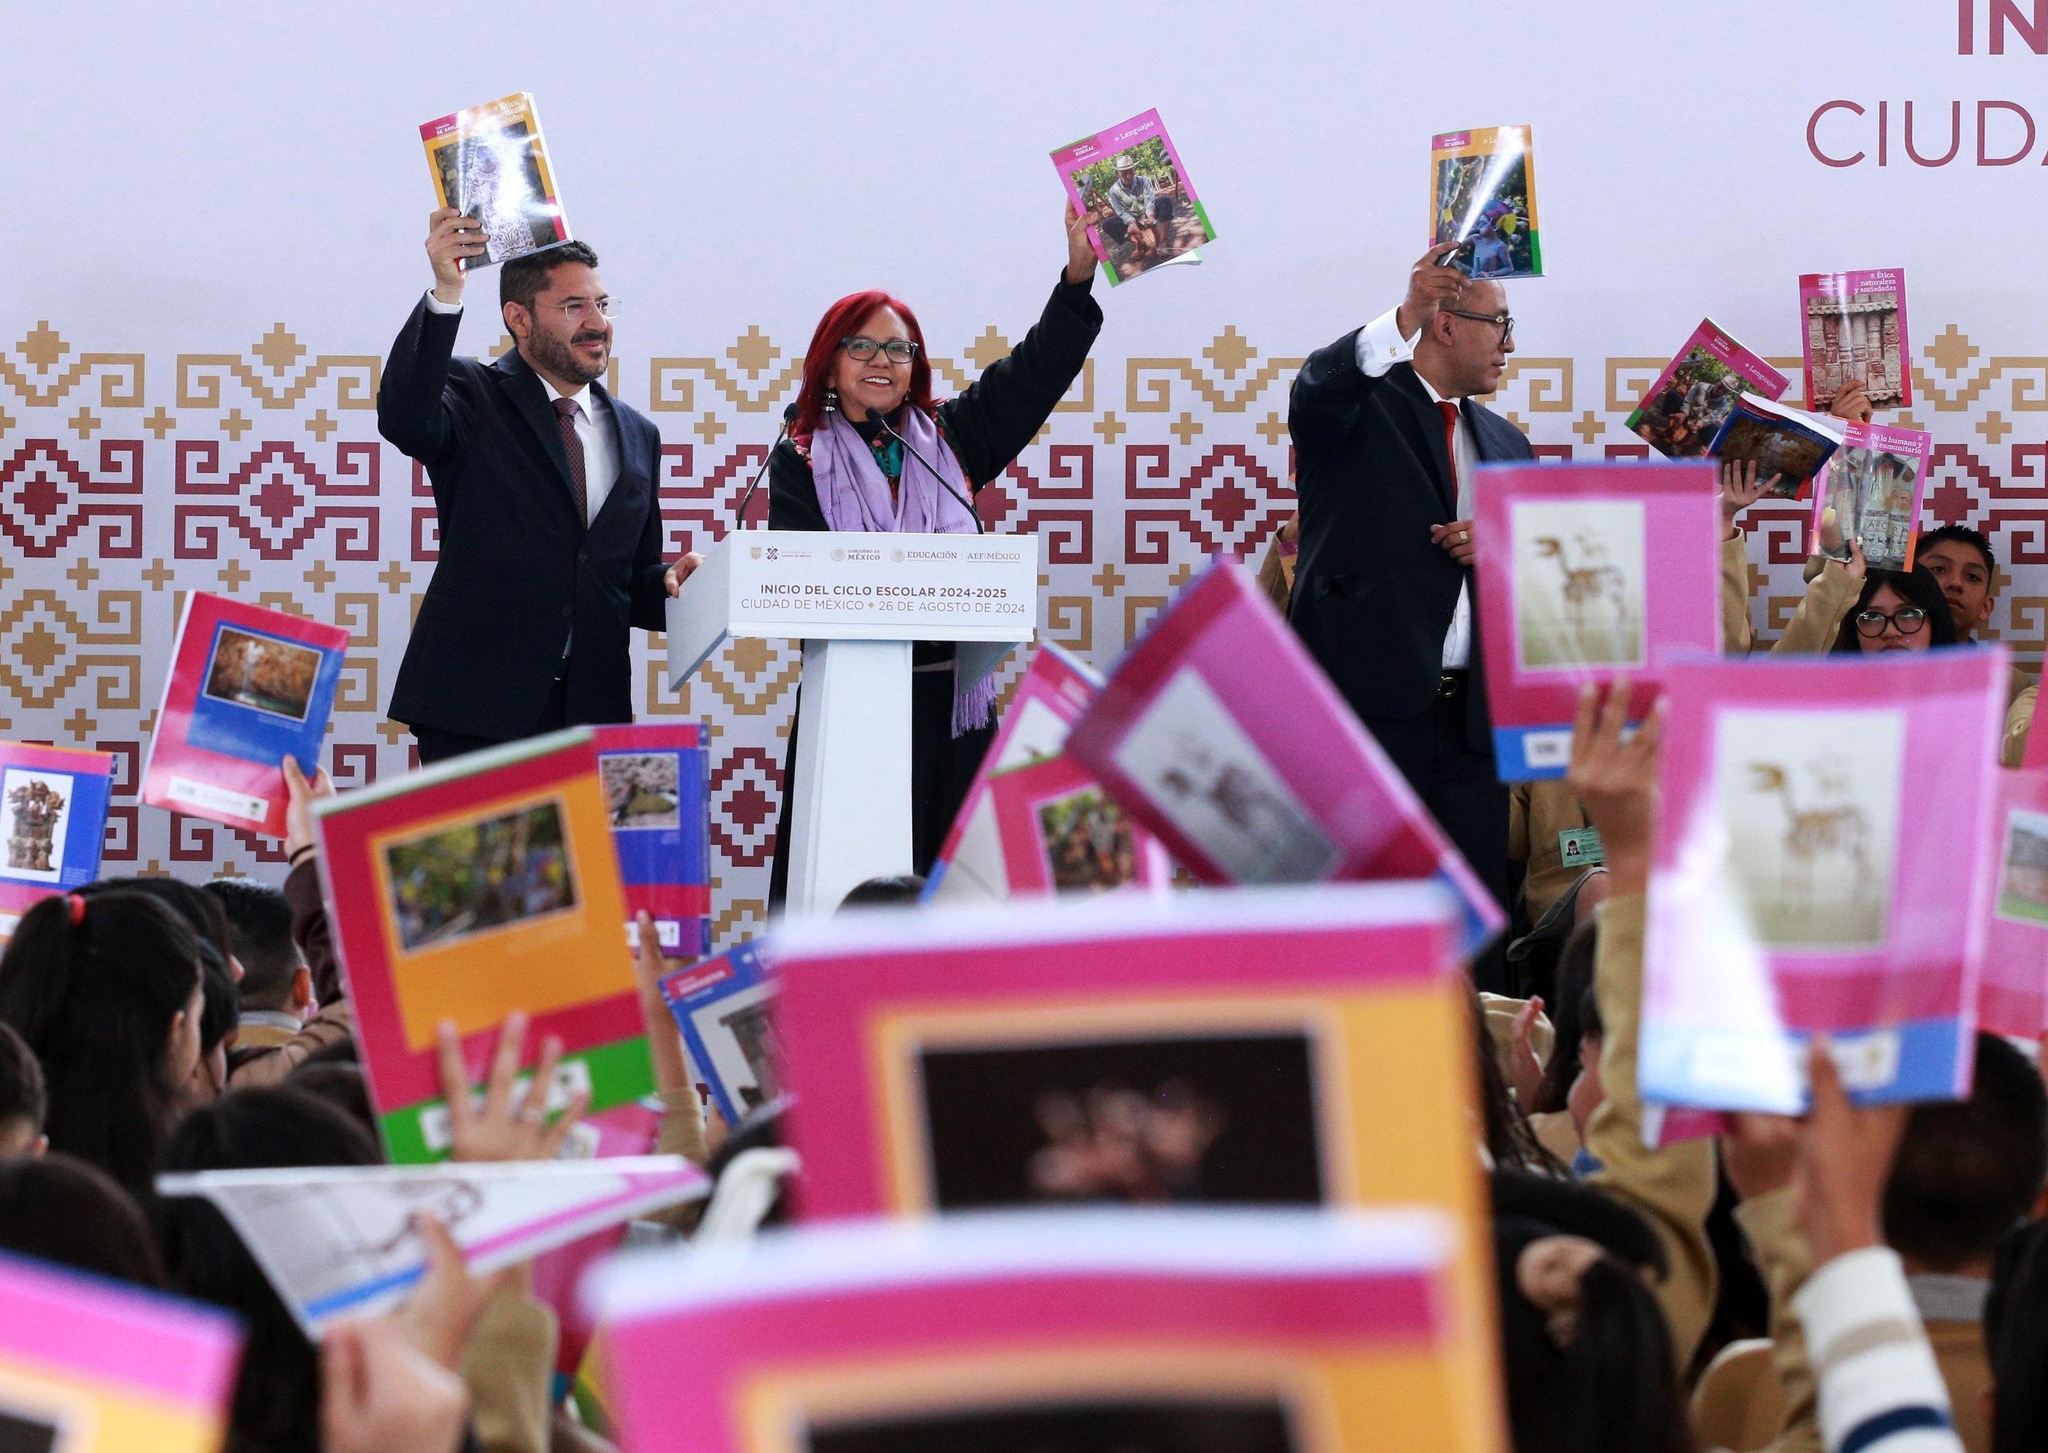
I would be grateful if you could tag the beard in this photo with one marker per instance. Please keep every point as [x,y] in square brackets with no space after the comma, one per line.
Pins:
[547,351]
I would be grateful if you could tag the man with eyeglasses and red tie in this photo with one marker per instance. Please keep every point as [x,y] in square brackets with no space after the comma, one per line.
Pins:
[549,524]
[1386,434]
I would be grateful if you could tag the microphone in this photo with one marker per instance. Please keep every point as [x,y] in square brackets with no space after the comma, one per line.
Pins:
[966,504]
[788,418]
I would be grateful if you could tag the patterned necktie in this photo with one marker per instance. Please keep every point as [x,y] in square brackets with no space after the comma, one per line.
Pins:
[566,414]
[1450,412]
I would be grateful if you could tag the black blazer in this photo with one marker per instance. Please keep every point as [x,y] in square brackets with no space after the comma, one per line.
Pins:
[1373,594]
[518,572]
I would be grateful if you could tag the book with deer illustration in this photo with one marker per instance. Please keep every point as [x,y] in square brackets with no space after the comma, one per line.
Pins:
[1681,412]
[490,162]
[1130,183]
[724,1010]
[1220,734]
[1795,890]
[483,885]
[247,688]
[1872,494]
[1853,329]
[658,792]
[1255,1332]
[90,1365]
[1050,697]
[1483,196]
[2012,995]
[1788,446]
[54,802]
[1587,572]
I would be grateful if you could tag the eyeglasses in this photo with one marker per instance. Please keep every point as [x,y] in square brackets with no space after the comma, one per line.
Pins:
[577,309]
[1909,621]
[1503,321]
[896,350]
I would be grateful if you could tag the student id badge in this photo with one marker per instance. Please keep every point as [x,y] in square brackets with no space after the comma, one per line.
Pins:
[1579,847]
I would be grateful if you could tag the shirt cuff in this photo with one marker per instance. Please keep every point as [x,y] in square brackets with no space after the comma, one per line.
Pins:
[1381,346]
[435,305]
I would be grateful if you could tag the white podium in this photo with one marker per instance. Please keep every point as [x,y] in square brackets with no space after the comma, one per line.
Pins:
[857,601]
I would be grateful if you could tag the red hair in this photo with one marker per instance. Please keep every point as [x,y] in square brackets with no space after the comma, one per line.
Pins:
[842,321]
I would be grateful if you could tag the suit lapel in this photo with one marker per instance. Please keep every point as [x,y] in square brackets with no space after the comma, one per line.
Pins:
[530,396]
[1435,449]
[629,473]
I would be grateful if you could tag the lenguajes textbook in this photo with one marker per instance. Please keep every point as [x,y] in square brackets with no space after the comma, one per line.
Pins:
[1682,411]
[1483,195]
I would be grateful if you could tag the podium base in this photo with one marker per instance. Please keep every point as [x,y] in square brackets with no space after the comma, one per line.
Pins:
[851,812]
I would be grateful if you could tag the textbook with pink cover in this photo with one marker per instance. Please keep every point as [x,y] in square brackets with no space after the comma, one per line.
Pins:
[1062,833]
[247,688]
[1258,1332]
[1682,411]
[1220,734]
[1797,886]
[1587,572]
[1872,493]
[1130,183]
[2012,997]
[1853,328]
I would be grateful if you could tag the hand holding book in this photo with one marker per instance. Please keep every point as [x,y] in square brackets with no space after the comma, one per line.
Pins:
[451,237]
[1615,776]
[1433,285]
[1080,251]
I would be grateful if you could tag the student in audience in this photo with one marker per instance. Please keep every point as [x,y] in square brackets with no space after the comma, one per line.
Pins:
[24,1099]
[1898,610]
[281,1025]
[61,1209]
[107,993]
[1962,564]
[219,968]
[899,891]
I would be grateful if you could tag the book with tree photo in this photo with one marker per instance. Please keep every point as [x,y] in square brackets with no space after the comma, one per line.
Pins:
[1681,412]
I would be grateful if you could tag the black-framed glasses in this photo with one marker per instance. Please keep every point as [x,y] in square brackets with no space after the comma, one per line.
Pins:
[896,350]
[1909,621]
[1503,321]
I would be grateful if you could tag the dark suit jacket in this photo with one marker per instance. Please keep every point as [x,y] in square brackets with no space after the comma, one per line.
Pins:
[518,572]
[1373,595]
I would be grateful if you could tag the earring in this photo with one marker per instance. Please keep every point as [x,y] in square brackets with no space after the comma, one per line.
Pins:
[831,404]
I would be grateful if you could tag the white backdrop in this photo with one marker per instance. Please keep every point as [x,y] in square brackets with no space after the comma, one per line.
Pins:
[219,210]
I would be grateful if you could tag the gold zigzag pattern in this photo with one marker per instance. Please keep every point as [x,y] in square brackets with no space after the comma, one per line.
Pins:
[199,390]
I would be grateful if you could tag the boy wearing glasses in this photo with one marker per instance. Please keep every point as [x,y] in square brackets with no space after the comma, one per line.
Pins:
[550,532]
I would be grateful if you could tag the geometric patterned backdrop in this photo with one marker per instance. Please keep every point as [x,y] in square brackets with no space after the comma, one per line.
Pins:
[126,480]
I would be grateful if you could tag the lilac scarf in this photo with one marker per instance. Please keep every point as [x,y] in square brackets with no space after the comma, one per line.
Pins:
[853,493]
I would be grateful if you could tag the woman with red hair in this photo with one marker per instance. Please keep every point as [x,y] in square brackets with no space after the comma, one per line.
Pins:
[840,470]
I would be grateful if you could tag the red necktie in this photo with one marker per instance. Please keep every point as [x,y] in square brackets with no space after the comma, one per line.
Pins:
[566,412]
[1450,412]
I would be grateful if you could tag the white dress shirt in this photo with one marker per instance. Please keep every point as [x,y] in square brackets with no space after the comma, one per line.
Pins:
[593,427]
[1380,347]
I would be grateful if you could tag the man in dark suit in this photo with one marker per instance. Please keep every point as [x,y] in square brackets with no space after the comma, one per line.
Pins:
[544,491]
[1386,434]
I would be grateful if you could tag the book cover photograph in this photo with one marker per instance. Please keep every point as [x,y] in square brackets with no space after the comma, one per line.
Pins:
[1872,494]
[1483,196]
[1787,445]
[53,801]
[490,162]
[1274,1331]
[1791,891]
[657,790]
[247,688]
[1587,572]
[1130,182]
[1681,412]
[724,1009]
[1062,833]
[2012,997]
[1853,326]
[486,884]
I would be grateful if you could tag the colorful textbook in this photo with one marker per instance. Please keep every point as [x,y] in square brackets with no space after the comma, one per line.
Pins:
[247,688]
[722,1007]
[1587,572]
[1682,411]
[93,1366]
[53,801]
[343,1241]
[1797,886]
[1220,734]
[1130,183]
[1483,196]
[1256,1047]
[658,793]
[1787,445]
[490,162]
[481,886]
[1872,494]
[1256,1332]
[1853,326]
[2012,996]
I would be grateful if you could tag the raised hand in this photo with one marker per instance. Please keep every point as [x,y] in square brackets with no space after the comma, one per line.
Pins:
[1615,777]
[298,809]
[1081,257]
[1853,404]
[379,1393]
[451,237]
[513,1124]
[1845,1158]
[1740,488]
[1431,288]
